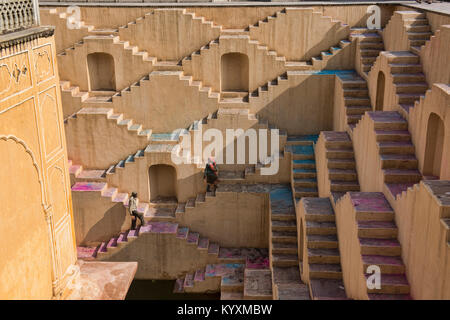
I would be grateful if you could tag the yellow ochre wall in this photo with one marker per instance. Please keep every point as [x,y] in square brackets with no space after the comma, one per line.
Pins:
[38,241]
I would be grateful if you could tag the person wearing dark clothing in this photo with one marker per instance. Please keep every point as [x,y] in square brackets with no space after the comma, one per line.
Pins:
[211,175]
[132,206]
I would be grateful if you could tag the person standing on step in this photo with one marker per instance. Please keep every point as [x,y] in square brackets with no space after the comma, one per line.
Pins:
[132,206]
[211,175]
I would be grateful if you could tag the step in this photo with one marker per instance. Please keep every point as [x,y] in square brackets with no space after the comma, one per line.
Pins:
[344,185]
[398,161]
[377,229]
[293,291]
[385,296]
[284,248]
[401,175]
[325,271]
[159,214]
[411,87]
[357,110]
[404,78]
[304,173]
[395,147]
[392,284]
[284,260]
[341,163]
[387,264]
[405,67]
[284,236]
[322,241]
[284,225]
[323,228]
[323,256]
[305,182]
[393,135]
[382,247]
[327,289]
[258,284]
[305,192]
[342,174]
[409,98]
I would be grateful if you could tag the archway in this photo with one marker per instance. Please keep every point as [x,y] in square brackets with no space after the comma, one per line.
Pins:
[162,180]
[234,73]
[379,104]
[101,71]
[434,146]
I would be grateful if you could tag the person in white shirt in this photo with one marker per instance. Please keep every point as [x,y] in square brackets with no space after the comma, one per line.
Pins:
[132,207]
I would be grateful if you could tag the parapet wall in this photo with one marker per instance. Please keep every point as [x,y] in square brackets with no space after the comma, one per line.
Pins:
[420,214]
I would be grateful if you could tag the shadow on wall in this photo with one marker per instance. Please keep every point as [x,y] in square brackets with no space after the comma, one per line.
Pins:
[306,108]
[113,222]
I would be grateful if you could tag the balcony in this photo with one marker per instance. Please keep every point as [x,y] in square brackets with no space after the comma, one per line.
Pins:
[16,15]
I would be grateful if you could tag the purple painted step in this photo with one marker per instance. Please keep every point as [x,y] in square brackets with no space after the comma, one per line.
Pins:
[182,233]
[199,275]
[160,227]
[88,186]
[189,280]
[213,248]
[103,247]
[179,286]
[370,202]
[203,243]
[193,237]
[123,237]
[112,243]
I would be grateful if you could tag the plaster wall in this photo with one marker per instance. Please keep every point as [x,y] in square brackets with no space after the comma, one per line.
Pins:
[38,252]
[163,256]
[368,162]
[323,181]
[434,56]
[350,249]
[424,239]
[436,101]
[233,219]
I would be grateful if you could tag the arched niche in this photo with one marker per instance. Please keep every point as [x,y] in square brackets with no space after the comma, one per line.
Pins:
[101,72]
[434,146]
[234,72]
[162,179]
[381,86]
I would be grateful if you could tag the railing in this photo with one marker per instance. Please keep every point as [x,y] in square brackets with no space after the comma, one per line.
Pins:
[18,15]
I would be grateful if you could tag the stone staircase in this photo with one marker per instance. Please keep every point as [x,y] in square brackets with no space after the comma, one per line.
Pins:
[369,44]
[396,151]
[319,62]
[206,30]
[79,29]
[377,234]
[266,26]
[341,163]
[242,274]
[417,29]
[107,249]
[135,135]
[304,177]
[284,261]
[409,80]
[356,98]
[325,273]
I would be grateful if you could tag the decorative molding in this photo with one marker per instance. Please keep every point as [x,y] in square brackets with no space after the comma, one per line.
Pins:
[20,37]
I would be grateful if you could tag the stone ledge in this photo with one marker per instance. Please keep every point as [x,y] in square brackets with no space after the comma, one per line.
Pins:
[22,36]
[102,280]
